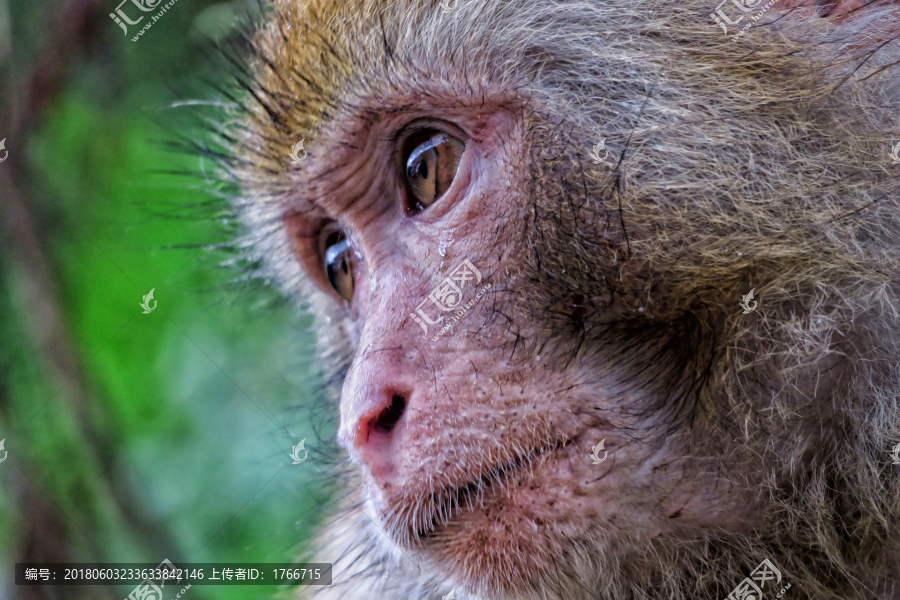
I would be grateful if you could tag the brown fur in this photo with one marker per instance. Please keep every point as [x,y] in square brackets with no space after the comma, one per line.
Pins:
[756,163]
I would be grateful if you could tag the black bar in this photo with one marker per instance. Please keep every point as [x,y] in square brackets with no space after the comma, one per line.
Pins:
[174,575]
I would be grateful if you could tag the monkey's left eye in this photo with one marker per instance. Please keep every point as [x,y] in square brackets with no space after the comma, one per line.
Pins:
[431,159]
[340,264]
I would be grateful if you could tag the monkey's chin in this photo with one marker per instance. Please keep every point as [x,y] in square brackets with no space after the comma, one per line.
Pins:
[500,533]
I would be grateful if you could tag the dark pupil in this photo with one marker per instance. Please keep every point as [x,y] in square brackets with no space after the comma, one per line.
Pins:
[422,169]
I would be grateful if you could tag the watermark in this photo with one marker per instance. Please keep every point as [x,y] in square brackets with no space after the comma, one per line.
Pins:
[448,297]
[295,452]
[745,303]
[149,579]
[447,6]
[449,596]
[122,19]
[595,452]
[751,587]
[596,150]
[894,153]
[6,152]
[895,454]
[146,303]
[148,590]
[743,6]
[3,441]
[295,159]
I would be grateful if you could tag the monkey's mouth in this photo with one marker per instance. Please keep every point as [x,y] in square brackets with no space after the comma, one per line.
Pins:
[445,505]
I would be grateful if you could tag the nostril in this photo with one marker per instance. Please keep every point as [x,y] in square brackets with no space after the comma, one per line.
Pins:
[390,416]
[371,440]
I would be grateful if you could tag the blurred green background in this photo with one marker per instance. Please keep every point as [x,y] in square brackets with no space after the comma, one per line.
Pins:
[136,437]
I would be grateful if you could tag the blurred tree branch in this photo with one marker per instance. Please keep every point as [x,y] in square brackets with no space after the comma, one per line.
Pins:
[79,29]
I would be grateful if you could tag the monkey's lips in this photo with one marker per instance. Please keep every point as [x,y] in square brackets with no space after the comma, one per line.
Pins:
[416,517]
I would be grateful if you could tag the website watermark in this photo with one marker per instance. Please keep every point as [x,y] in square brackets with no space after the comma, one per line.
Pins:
[148,590]
[595,452]
[145,304]
[596,150]
[296,159]
[743,8]
[894,153]
[448,297]
[123,20]
[295,452]
[745,302]
[751,588]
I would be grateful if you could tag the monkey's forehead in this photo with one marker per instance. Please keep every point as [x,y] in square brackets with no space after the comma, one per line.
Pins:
[319,59]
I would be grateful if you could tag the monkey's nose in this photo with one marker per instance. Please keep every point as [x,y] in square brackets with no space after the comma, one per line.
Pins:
[371,437]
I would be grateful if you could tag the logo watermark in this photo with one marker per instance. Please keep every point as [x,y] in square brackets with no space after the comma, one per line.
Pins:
[745,303]
[895,454]
[448,296]
[122,19]
[295,452]
[450,596]
[148,590]
[295,159]
[744,7]
[595,452]
[894,153]
[596,150]
[751,587]
[447,6]
[6,152]
[146,303]
[4,450]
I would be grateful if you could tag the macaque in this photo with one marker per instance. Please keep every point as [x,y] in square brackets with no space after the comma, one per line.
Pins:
[620,175]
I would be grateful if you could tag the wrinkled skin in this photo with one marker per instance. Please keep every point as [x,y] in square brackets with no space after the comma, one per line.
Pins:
[613,307]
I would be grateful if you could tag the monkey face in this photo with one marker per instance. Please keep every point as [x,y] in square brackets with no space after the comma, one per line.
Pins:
[496,299]
[474,440]
[483,371]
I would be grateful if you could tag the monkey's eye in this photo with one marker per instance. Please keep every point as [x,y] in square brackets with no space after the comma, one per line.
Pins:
[431,160]
[340,264]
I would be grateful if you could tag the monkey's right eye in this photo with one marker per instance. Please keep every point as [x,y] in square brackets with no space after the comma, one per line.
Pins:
[431,159]
[340,264]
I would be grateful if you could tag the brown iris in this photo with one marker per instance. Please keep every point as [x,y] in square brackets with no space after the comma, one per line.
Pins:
[431,160]
[340,264]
